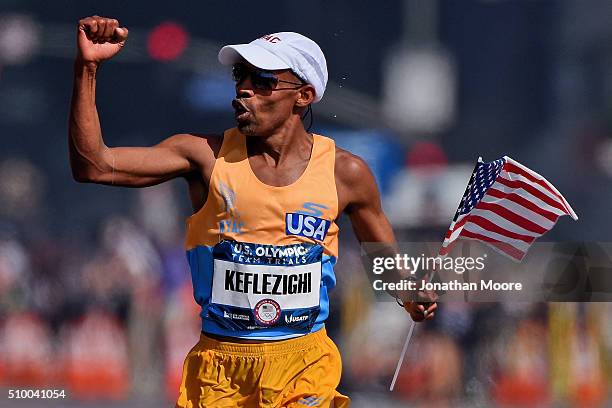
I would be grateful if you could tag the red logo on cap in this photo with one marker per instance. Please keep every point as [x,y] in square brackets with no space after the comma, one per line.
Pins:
[271,38]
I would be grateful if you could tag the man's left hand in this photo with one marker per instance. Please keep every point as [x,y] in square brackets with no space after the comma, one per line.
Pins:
[422,305]
[420,311]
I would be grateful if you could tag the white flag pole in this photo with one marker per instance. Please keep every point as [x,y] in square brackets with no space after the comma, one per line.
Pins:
[401,359]
[413,323]
[408,337]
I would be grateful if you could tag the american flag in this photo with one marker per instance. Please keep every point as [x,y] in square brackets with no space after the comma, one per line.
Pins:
[507,206]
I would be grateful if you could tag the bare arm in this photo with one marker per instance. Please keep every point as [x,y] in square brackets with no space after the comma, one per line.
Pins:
[359,198]
[91,160]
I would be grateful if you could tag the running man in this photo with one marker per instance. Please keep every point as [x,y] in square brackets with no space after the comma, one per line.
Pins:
[262,242]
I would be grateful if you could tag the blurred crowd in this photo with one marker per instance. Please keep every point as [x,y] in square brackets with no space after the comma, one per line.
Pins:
[109,318]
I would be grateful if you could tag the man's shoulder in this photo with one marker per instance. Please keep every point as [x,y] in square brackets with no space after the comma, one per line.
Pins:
[354,181]
[349,167]
[195,143]
[197,137]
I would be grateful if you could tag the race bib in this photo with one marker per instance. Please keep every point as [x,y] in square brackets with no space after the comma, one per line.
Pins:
[258,286]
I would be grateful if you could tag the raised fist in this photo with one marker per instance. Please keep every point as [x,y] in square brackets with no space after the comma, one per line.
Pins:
[99,38]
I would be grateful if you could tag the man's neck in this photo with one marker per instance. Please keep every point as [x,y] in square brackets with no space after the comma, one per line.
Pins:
[288,144]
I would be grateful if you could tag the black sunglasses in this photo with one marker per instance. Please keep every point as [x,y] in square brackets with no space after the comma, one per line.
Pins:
[260,79]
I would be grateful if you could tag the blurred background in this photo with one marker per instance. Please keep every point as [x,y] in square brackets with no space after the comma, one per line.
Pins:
[95,293]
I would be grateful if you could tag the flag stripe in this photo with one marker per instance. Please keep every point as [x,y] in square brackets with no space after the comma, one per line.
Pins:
[488,225]
[456,225]
[512,168]
[530,205]
[503,222]
[456,231]
[521,211]
[453,232]
[543,191]
[568,207]
[494,218]
[446,249]
[473,223]
[475,229]
[536,178]
[531,190]
[531,198]
[515,218]
[502,246]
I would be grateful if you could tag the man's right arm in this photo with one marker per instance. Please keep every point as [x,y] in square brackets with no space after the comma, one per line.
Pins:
[91,160]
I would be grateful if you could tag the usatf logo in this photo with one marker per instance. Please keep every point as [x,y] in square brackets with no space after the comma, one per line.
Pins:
[306,226]
[295,319]
[267,312]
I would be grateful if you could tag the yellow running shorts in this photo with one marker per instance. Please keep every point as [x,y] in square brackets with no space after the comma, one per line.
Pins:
[294,373]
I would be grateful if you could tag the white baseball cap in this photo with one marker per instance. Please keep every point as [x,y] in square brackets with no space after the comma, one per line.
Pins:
[281,51]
